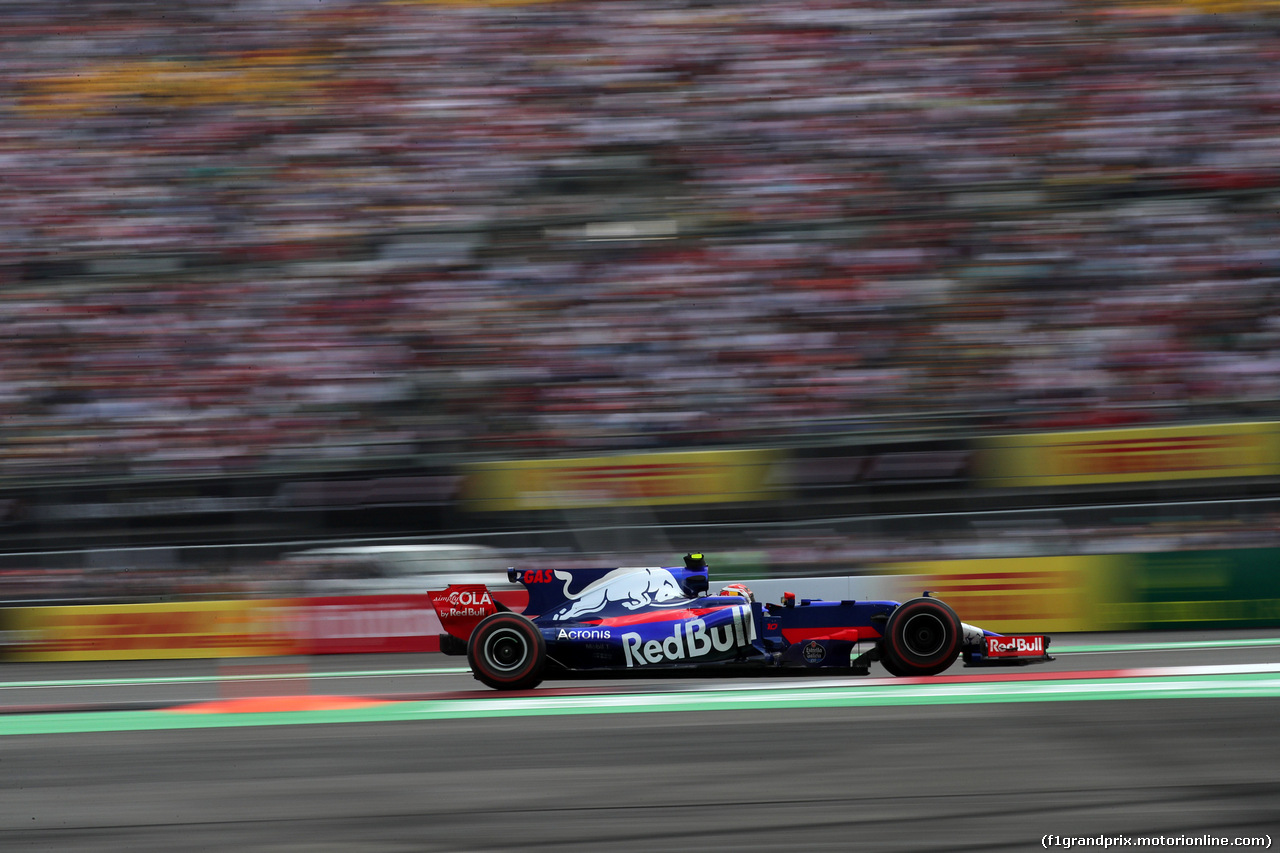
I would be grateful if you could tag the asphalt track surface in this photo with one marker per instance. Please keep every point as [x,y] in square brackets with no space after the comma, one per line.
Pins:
[1122,737]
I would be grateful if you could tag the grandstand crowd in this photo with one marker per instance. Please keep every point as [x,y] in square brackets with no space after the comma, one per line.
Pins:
[245,235]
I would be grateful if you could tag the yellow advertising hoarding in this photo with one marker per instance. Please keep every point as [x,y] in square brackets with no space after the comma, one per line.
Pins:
[650,479]
[199,629]
[1024,594]
[1093,457]
[256,77]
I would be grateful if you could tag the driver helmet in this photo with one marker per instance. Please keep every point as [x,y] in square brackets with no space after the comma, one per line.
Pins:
[739,589]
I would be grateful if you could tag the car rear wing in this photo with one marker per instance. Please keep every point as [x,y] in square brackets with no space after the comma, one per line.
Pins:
[460,608]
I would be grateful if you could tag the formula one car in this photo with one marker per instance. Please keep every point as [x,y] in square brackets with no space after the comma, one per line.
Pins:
[650,621]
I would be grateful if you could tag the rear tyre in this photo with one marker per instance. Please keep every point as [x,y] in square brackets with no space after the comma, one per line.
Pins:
[922,637]
[507,652]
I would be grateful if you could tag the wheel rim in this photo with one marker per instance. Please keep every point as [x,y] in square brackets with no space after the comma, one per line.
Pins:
[924,635]
[506,649]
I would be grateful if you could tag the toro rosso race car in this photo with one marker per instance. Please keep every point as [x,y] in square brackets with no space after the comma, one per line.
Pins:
[650,621]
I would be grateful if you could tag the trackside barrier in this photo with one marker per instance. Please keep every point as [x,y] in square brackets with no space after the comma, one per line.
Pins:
[1133,455]
[361,624]
[641,479]
[197,629]
[1015,595]
[1230,588]
[364,624]
[227,629]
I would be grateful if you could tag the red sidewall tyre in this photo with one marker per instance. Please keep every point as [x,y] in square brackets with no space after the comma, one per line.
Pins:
[922,637]
[507,652]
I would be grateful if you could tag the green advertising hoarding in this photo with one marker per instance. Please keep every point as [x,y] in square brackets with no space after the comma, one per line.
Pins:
[1237,588]
[1108,592]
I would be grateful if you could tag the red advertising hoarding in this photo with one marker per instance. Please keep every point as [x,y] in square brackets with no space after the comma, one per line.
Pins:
[369,624]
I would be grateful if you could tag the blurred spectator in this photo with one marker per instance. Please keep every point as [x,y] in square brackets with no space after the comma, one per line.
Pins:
[342,231]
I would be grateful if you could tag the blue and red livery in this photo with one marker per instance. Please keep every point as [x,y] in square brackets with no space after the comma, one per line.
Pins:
[660,620]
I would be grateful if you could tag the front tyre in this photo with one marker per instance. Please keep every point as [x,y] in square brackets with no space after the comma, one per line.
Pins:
[507,652]
[922,637]
[889,665]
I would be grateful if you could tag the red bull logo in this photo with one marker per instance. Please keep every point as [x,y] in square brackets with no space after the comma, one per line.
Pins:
[691,639]
[1012,647]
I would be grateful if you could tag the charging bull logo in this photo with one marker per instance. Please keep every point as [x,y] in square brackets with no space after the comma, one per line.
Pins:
[629,588]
